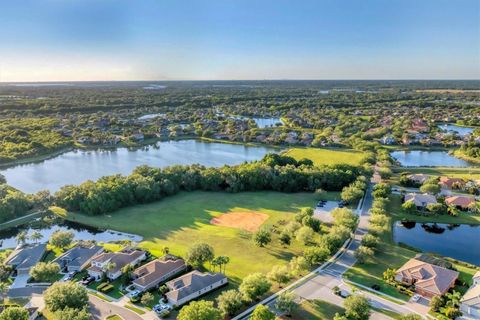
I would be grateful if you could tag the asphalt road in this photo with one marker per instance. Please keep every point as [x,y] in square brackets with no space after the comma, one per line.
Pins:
[100,309]
[320,287]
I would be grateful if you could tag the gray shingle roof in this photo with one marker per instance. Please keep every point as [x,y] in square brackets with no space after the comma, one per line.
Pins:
[27,256]
[78,255]
[190,283]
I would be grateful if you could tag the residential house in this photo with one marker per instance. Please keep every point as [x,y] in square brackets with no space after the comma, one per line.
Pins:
[78,258]
[155,272]
[461,202]
[451,183]
[470,302]
[192,285]
[420,200]
[388,140]
[419,178]
[25,257]
[111,264]
[428,279]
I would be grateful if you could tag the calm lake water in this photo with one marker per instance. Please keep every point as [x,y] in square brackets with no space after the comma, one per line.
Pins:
[76,167]
[81,232]
[267,122]
[462,131]
[461,242]
[417,158]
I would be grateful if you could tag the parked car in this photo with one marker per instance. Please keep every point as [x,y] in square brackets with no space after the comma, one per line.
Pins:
[134,294]
[87,280]
[416,297]
[161,308]
[70,276]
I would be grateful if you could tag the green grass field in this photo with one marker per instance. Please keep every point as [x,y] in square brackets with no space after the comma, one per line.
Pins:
[316,309]
[326,156]
[182,220]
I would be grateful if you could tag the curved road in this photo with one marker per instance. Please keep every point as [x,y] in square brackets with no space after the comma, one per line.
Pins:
[100,309]
[320,285]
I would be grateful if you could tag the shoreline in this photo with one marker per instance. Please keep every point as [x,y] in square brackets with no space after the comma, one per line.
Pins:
[148,142]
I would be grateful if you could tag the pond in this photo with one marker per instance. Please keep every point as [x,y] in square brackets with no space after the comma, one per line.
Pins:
[461,131]
[78,166]
[418,158]
[81,232]
[267,122]
[458,241]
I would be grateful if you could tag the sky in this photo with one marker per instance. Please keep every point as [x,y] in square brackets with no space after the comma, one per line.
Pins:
[82,40]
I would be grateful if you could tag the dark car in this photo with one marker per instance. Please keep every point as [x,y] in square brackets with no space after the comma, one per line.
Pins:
[87,280]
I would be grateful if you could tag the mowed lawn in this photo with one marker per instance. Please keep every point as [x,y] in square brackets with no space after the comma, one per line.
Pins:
[327,156]
[184,219]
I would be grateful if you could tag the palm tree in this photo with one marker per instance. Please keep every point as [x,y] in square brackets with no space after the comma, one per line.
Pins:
[215,262]
[166,250]
[36,236]
[453,299]
[110,266]
[226,260]
[21,237]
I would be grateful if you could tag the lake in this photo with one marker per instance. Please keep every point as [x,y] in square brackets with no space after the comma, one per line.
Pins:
[418,158]
[267,122]
[81,232]
[78,166]
[461,242]
[462,131]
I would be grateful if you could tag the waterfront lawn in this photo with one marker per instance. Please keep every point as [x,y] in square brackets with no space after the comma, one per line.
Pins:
[388,255]
[316,309]
[327,156]
[395,210]
[184,219]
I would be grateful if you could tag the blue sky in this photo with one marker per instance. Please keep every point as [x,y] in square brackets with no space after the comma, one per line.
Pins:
[53,40]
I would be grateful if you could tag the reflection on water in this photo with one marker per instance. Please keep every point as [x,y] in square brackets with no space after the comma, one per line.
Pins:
[80,231]
[76,167]
[419,158]
[459,241]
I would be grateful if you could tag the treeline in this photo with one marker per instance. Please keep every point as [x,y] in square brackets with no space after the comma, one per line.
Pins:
[13,203]
[471,150]
[146,184]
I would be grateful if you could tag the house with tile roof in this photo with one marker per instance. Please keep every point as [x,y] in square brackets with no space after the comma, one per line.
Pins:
[25,257]
[193,285]
[461,202]
[451,183]
[470,302]
[155,272]
[78,257]
[111,264]
[428,279]
[421,200]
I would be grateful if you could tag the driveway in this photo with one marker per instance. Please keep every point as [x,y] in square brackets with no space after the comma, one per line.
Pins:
[100,309]
[20,281]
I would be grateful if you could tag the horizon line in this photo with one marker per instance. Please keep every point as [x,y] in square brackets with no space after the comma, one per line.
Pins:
[212,80]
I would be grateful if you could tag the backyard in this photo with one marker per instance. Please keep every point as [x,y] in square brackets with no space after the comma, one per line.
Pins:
[179,221]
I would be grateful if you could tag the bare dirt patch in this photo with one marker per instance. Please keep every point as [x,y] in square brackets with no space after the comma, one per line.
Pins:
[246,220]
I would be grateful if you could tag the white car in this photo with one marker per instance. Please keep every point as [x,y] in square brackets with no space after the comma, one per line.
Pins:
[134,293]
[416,297]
